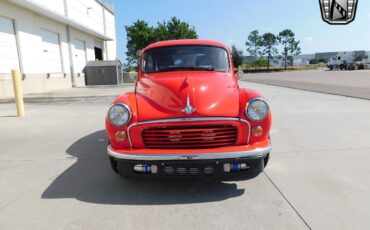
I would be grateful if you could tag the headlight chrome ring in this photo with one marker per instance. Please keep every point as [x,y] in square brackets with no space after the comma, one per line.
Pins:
[119,114]
[257,109]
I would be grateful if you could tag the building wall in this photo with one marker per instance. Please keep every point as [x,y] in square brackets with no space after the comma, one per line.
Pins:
[325,55]
[53,5]
[87,12]
[29,28]
[110,32]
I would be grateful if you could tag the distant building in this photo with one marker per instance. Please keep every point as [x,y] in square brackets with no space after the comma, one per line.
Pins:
[50,41]
[303,59]
[325,56]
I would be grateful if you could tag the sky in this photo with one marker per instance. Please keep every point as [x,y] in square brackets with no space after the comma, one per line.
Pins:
[230,21]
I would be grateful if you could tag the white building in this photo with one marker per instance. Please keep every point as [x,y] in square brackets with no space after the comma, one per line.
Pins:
[50,41]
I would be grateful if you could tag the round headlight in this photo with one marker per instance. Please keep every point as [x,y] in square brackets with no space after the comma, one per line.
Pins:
[257,109]
[119,114]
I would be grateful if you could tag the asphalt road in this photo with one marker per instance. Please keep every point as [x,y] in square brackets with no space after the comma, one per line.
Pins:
[54,172]
[348,83]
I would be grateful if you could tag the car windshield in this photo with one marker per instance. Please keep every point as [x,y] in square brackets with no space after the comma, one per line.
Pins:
[176,58]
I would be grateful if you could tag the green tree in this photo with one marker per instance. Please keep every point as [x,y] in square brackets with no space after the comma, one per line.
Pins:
[269,43]
[237,56]
[254,44]
[174,29]
[261,62]
[314,61]
[294,51]
[290,46]
[140,35]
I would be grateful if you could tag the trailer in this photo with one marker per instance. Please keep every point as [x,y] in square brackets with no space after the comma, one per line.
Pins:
[349,61]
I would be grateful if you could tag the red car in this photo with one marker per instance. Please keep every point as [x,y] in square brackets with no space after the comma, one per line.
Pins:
[188,117]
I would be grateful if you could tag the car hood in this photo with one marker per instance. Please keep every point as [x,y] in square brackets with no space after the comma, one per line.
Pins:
[166,95]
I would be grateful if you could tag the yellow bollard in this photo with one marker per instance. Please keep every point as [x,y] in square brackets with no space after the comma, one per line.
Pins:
[17,85]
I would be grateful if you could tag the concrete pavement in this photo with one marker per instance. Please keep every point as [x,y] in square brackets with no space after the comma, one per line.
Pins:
[54,172]
[348,83]
[76,94]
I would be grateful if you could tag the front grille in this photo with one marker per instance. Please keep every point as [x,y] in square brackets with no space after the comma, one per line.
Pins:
[190,137]
[184,171]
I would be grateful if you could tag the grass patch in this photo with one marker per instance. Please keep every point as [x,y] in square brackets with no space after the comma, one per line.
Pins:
[281,69]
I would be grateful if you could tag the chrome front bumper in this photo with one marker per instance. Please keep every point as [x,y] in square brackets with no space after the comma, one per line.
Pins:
[255,153]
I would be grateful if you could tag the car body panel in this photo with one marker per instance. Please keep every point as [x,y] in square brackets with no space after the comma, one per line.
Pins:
[164,95]
[160,101]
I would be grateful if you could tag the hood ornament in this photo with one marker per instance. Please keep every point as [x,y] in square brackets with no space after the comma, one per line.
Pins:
[189,109]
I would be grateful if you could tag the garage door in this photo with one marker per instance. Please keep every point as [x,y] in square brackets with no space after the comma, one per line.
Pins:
[8,46]
[52,62]
[79,56]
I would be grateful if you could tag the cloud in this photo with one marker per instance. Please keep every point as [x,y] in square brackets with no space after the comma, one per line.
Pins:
[308,39]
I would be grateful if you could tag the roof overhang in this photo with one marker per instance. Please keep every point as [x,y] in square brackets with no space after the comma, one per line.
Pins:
[35,7]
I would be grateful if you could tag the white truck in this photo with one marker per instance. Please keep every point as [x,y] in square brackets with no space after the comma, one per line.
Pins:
[348,61]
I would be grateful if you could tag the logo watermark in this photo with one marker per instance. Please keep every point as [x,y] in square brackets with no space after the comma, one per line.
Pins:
[338,12]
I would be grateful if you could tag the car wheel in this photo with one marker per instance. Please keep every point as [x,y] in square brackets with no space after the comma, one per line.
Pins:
[114,164]
[331,67]
[266,160]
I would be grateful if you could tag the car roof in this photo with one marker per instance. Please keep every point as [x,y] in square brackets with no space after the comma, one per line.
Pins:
[185,42]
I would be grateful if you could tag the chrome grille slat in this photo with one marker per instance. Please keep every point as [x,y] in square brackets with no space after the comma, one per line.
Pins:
[190,137]
[186,171]
[208,170]
[190,142]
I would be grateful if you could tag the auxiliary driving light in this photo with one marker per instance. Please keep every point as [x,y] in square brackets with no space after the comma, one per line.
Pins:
[235,167]
[257,131]
[120,136]
[146,168]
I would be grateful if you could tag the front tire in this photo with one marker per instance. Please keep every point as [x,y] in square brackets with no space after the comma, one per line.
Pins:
[114,164]
[266,160]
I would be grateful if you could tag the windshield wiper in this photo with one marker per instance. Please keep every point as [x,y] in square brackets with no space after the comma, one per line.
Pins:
[189,68]
[180,68]
[205,68]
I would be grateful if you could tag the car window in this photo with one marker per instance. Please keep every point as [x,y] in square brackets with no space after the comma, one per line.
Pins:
[174,58]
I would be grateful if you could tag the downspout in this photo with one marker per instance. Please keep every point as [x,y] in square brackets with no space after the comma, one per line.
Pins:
[70,56]
[19,52]
[105,33]
[69,46]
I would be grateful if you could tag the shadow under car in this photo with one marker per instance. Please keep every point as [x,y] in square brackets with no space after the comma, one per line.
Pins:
[91,180]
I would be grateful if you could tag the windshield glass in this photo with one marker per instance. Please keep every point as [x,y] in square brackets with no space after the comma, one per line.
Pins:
[175,58]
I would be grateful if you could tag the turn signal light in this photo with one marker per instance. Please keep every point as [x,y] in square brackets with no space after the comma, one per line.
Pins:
[121,136]
[257,131]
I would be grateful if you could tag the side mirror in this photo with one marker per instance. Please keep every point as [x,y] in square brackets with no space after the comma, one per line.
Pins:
[239,74]
[133,76]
